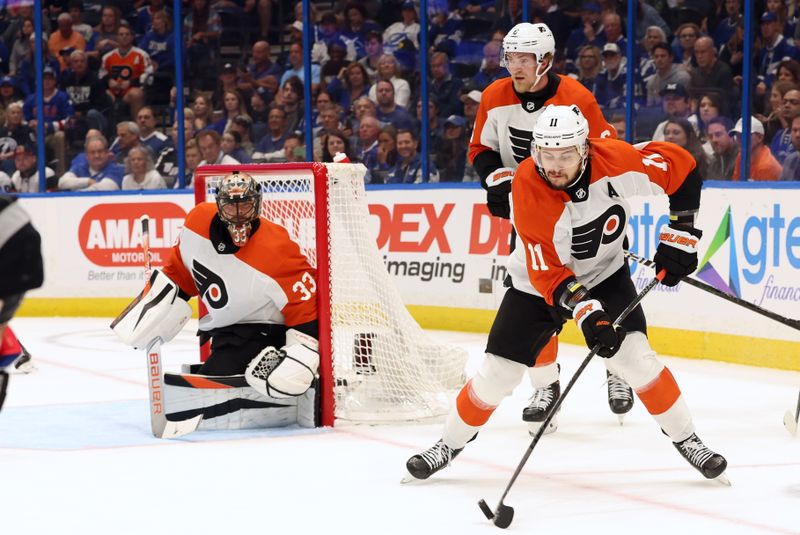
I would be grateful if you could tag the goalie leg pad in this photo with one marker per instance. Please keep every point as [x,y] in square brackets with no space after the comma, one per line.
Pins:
[158,312]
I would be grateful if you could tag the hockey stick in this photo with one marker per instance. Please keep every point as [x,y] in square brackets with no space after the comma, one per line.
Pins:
[789,322]
[790,421]
[160,425]
[504,514]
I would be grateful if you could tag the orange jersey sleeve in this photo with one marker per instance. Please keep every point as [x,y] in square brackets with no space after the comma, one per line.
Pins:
[278,256]
[538,209]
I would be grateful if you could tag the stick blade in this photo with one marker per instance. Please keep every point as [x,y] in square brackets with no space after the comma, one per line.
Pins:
[503,516]
[790,423]
[177,429]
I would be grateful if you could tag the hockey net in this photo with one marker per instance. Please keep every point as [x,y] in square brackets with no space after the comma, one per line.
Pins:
[376,363]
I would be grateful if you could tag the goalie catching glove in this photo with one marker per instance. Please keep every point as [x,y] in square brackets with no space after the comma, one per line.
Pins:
[594,322]
[285,372]
[677,252]
[498,189]
[158,312]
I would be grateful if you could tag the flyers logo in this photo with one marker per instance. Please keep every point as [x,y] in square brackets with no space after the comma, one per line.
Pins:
[520,143]
[586,239]
[211,286]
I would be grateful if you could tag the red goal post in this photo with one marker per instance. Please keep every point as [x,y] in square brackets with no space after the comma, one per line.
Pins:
[376,363]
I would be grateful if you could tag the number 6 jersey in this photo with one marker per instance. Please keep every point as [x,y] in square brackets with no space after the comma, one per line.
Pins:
[579,231]
[268,280]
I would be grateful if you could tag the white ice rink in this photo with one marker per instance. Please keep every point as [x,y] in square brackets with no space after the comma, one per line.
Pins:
[77,457]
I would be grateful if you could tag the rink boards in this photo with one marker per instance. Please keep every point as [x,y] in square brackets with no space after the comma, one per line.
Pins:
[441,245]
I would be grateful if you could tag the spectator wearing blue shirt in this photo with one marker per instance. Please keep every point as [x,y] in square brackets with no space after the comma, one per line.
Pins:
[356,28]
[159,42]
[727,26]
[388,112]
[791,167]
[148,135]
[408,169]
[296,67]
[275,137]
[94,170]
[588,30]
[781,145]
[261,71]
[491,69]
[146,15]
[444,88]
[609,87]
[367,144]
[776,48]
[57,111]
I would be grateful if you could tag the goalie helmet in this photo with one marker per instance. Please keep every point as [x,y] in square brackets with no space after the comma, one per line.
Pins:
[560,127]
[238,205]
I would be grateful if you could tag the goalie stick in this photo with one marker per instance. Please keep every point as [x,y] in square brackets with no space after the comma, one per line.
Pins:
[790,420]
[160,425]
[504,514]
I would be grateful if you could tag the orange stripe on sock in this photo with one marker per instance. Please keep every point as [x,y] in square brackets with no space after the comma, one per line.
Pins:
[661,394]
[548,353]
[472,410]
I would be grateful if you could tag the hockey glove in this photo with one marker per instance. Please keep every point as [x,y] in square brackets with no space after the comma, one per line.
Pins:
[677,252]
[597,328]
[498,188]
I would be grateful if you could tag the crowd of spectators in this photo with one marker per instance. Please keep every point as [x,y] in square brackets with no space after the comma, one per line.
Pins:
[109,84]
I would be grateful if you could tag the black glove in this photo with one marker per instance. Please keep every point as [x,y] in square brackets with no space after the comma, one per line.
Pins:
[677,252]
[498,187]
[597,328]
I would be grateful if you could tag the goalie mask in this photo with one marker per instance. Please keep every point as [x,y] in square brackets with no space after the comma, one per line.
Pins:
[560,147]
[238,205]
[527,38]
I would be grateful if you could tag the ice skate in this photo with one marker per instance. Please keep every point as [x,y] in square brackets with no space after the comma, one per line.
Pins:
[425,464]
[536,411]
[711,465]
[620,396]
[22,364]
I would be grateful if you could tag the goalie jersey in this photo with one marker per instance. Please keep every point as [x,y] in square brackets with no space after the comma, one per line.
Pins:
[269,280]
[579,231]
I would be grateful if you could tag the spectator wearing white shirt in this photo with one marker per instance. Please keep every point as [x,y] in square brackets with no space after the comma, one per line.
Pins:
[26,178]
[141,172]
[387,70]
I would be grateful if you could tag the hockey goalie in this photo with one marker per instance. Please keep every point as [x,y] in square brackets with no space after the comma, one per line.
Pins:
[260,293]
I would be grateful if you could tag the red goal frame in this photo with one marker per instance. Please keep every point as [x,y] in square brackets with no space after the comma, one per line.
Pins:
[321,212]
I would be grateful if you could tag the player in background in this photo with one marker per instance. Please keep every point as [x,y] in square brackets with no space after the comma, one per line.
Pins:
[570,211]
[501,139]
[258,288]
[21,270]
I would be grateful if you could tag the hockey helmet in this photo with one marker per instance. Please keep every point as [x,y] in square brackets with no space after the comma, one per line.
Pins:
[560,127]
[536,39]
[239,204]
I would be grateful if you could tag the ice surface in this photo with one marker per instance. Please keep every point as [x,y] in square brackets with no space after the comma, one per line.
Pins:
[77,456]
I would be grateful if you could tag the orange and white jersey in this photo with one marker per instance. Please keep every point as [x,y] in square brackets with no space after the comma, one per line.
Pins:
[579,231]
[267,281]
[504,122]
[133,67]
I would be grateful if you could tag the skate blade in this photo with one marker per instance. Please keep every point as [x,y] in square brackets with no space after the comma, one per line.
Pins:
[790,423]
[533,427]
[23,368]
[409,479]
[722,479]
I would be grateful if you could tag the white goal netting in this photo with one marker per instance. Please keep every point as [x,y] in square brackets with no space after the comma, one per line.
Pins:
[385,367]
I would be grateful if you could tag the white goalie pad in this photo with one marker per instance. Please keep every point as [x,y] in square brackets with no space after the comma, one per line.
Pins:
[288,372]
[227,402]
[158,312]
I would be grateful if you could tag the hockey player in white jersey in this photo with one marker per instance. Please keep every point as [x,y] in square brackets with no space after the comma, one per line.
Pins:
[570,210]
[501,139]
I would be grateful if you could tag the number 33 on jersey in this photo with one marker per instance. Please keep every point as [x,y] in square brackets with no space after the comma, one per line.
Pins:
[268,280]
